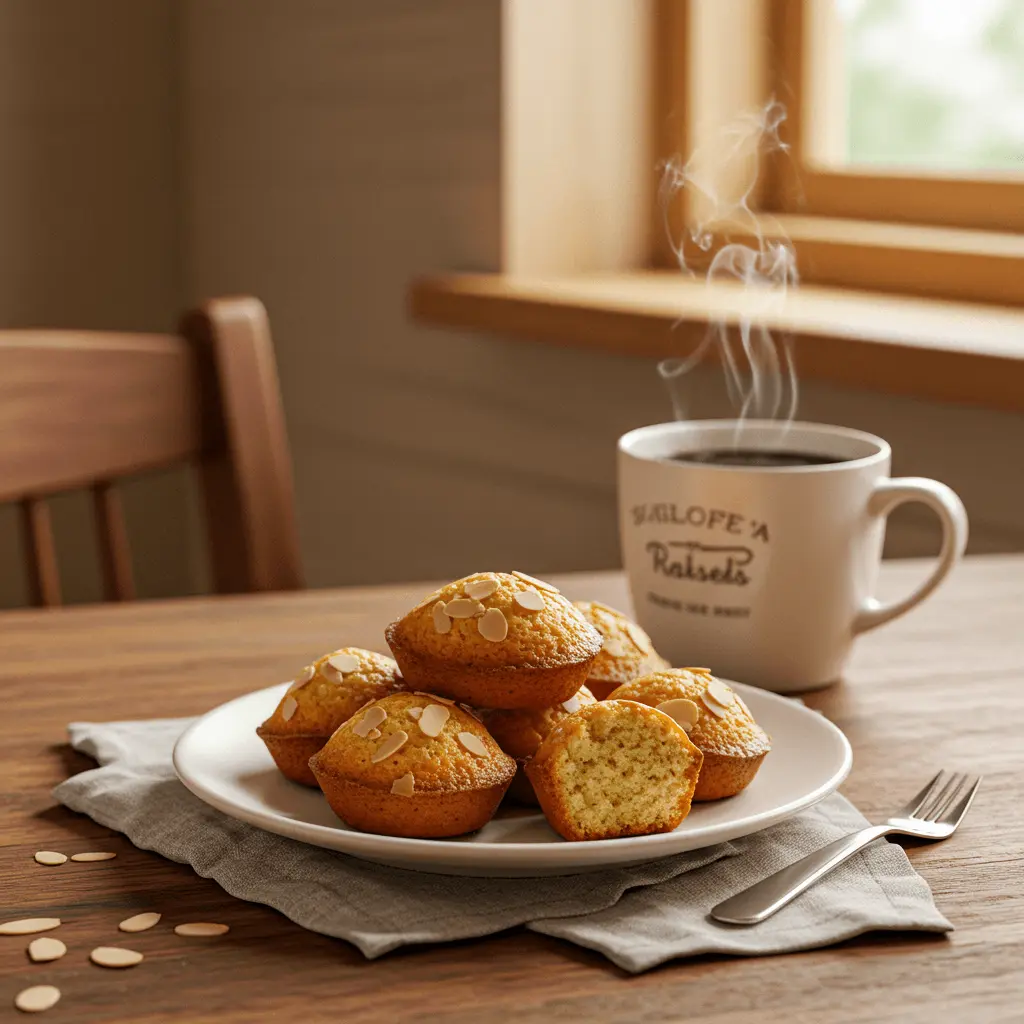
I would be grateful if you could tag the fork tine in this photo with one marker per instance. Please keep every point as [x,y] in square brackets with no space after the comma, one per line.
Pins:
[944,802]
[956,814]
[929,811]
[915,803]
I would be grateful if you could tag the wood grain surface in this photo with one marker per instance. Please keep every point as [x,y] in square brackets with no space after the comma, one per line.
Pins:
[942,687]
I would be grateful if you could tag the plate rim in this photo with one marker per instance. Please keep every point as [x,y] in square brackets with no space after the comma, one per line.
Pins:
[567,855]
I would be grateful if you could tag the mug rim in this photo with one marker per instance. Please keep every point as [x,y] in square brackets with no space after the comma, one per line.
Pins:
[883,451]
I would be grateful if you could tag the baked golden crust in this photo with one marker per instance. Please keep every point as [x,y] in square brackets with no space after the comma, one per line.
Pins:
[519,732]
[627,651]
[443,784]
[519,645]
[733,744]
[320,699]
[612,769]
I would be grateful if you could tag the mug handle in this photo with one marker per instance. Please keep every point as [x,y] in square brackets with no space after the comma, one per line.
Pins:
[945,503]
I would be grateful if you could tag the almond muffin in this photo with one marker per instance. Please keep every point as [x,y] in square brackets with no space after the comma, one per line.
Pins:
[615,768]
[519,732]
[496,640]
[321,697]
[716,720]
[627,652]
[413,764]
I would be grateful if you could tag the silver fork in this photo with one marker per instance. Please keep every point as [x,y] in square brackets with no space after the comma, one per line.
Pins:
[934,813]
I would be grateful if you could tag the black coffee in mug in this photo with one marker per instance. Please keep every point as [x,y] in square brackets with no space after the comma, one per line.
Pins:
[756,457]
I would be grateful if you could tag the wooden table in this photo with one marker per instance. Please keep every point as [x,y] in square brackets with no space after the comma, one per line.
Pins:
[945,686]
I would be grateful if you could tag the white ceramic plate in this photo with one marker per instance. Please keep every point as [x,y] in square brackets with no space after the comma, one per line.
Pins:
[221,760]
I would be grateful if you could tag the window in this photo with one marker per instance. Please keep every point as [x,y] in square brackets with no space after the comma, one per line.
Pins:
[904,111]
[899,104]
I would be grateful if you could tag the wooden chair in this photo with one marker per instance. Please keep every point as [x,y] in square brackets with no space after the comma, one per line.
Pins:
[82,409]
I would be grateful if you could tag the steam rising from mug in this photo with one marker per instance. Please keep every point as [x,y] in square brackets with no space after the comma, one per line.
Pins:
[759,373]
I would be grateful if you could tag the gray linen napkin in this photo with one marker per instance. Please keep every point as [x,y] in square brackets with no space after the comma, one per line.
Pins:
[638,917]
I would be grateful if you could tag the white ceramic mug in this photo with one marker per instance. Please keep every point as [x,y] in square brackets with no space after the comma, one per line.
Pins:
[766,574]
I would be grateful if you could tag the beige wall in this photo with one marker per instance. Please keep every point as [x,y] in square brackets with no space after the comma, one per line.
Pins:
[89,226]
[328,151]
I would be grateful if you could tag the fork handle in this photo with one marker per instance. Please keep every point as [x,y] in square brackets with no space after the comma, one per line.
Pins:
[764,898]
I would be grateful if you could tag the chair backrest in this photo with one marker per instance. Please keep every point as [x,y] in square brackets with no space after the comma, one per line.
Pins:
[82,409]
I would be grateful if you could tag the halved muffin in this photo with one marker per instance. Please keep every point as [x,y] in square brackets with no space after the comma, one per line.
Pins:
[413,764]
[322,696]
[520,731]
[627,651]
[496,640]
[717,721]
[612,769]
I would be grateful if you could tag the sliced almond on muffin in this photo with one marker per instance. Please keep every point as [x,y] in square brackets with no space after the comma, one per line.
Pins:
[321,697]
[496,640]
[426,768]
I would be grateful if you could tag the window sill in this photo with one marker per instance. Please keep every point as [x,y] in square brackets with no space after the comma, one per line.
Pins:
[927,348]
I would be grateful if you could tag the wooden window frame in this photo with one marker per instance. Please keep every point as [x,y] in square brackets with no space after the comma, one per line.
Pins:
[982,202]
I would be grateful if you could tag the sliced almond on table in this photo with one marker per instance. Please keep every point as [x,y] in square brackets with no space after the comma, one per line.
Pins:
[140,922]
[433,719]
[50,857]
[682,711]
[404,786]
[473,744]
[37,998]
[200,929]
[390,746]
[479,589]
[343,662]
[96,855]
[370,721]
[434,696]
[29,925]
[536,582]
[115,956]
[442,621]
[288,708]
[493,625]
[41,950]
[463,608]
[530,599]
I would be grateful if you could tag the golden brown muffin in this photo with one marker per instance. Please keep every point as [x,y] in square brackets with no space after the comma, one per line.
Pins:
[612,769]
[496,640]
[413,765]
[322,696]
[627,652]
[519,731]
[733,744]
